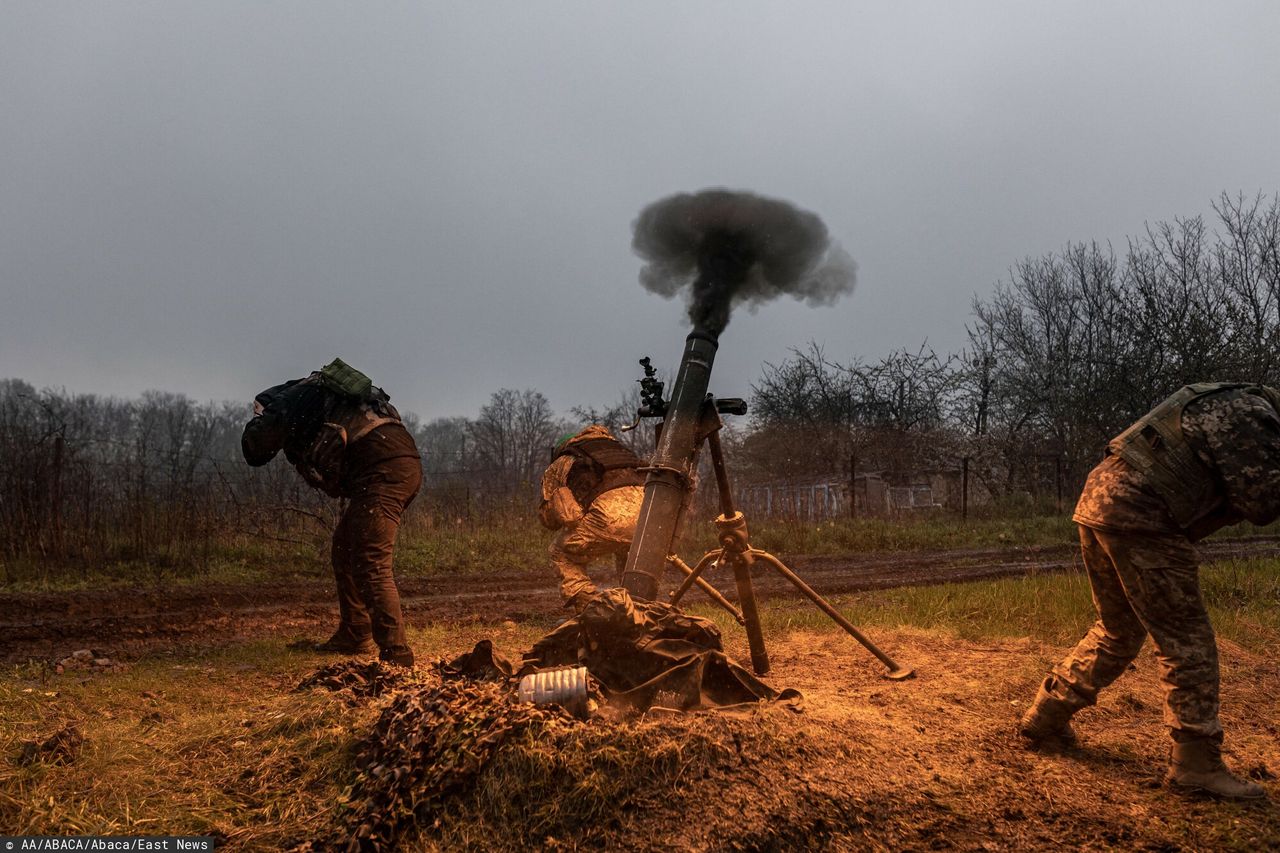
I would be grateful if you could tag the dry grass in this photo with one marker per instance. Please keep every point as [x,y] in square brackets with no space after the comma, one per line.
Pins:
[221,744]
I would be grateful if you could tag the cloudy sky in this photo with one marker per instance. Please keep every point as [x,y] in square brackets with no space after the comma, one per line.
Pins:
[212,197]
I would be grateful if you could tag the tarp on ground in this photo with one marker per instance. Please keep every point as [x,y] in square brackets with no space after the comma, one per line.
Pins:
[649,654]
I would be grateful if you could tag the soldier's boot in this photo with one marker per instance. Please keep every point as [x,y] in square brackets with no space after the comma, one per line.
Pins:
[345,641]
[1196,765]
[1048,720]
[399,655]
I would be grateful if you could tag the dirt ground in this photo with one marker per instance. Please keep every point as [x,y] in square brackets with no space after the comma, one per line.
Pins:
[132,621]
[925,764]
[934,763]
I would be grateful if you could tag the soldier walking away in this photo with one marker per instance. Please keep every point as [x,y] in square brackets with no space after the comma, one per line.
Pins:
[346,439]
[591,493]
[1206,457]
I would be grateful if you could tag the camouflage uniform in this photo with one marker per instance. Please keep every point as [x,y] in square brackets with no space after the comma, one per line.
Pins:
[361,452]
[594,510]
[1142,565]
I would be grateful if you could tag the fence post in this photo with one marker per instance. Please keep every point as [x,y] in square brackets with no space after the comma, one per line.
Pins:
[853,485]
[55,498]
[964,489]
[1057,481]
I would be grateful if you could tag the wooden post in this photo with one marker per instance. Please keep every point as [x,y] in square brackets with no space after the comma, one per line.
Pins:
[1057,480]
[853,485]
[964,489]
[55,497]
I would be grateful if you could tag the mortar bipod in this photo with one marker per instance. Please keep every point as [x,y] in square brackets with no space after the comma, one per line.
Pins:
[735,551]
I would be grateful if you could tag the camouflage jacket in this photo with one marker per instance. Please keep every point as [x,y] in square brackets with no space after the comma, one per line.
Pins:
[1235,435]
[591,463]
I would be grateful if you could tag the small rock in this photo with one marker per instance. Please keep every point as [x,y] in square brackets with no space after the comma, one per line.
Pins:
[82,654]
[102,662]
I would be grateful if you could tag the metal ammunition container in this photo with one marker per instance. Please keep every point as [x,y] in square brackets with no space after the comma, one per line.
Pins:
[565,686]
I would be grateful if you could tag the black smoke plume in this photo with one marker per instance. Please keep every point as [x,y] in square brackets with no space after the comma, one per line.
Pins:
[731,248]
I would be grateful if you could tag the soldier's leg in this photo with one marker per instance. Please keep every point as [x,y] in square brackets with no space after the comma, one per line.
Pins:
[1162,579]
[1115,638]
[570,563]
[354,633]
[375,521]
[615,513]
[601,532]
[1100,656]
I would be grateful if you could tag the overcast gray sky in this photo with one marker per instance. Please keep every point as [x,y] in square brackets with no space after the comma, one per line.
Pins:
[213,197]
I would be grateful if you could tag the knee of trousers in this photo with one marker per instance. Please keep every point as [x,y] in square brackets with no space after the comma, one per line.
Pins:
[1121,644]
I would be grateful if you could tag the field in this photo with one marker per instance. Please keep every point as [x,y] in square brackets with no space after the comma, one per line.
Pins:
[196,727]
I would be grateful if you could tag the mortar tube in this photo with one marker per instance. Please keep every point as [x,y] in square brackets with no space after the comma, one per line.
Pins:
[670,471]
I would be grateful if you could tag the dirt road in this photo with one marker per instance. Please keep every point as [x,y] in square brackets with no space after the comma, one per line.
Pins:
[131,621]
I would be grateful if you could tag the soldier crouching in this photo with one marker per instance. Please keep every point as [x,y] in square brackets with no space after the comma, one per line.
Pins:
[1206,457]
[591,494]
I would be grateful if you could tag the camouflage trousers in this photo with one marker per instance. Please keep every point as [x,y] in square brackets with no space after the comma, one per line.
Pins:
[605,529]
[1146,584]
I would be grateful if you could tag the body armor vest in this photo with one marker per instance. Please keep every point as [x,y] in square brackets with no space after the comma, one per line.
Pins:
[1156,447]
[345,420]
[601,464]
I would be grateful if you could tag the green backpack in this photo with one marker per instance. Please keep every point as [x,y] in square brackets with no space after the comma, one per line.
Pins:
[342,378]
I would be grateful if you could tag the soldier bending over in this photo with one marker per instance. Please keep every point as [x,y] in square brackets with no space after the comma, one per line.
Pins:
[1206,457]
[345,438]
[591,493]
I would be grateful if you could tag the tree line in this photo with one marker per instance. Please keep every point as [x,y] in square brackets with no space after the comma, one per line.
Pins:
[1072,347]
[1065,352]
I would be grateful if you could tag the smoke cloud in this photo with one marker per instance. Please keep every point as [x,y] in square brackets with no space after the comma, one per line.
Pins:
[728,248]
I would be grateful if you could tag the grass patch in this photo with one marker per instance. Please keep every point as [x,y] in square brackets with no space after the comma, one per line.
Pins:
[519,545]
[1243,597]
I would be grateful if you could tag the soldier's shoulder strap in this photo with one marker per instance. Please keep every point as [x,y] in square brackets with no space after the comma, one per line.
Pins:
[608,454]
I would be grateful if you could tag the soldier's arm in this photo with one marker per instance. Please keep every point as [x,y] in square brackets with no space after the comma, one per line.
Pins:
[1245,444]
[263,437]
[559,507]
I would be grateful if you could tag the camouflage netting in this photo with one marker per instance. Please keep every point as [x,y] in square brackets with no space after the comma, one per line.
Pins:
[429,744]
[358,680]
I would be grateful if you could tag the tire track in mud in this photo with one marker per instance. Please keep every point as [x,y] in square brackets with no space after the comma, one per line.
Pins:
[44,625]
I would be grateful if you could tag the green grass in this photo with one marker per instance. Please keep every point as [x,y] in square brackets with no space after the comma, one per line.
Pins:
[520,545]
[1243,597]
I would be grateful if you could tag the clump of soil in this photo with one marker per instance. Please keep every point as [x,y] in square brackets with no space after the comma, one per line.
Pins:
[62,747]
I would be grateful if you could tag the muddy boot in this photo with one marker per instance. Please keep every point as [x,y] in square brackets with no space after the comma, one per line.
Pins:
[346,642]
[1048,720]
[1196,765]
[398,655]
